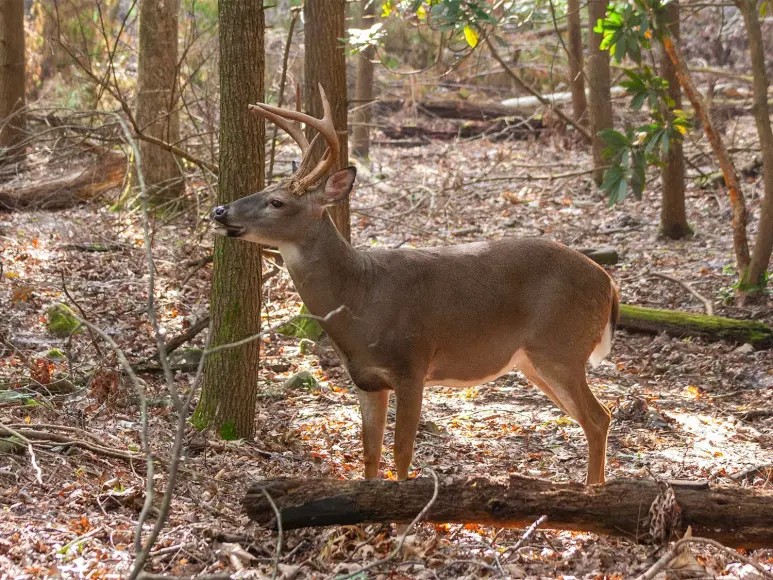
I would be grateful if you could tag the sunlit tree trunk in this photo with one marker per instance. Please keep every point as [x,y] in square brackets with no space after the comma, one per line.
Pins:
[598,81]
[12,78]
[673,217]
[740,243]
[325,63]
[157,95]
[754,280]
[364,87]
[577,80]
[229,394]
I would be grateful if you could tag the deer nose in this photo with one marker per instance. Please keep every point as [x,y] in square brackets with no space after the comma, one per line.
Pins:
[219,212]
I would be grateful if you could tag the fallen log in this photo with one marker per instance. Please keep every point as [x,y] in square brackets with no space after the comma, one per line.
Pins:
[497,130]
[447,109]
[735,516]
[75,187]
[679,324]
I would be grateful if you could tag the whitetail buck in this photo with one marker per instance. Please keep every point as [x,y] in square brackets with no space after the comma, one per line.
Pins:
[456,316]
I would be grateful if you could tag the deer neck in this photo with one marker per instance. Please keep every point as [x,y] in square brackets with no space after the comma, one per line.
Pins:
[324,267]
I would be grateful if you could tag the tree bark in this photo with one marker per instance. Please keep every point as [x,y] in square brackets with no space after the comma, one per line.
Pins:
[598,81]
[364,88]
[229,393]
[575,46]
[753,280]
[325,64]
[157,95]
[676,323]
[740,244]
[673,216]
[12,79]
[735,516]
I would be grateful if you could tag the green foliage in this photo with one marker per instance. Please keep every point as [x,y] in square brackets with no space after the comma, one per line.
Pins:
[302,327]
[61,321]
[627,31]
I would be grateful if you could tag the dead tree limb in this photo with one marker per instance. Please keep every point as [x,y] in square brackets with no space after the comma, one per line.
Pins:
[733,515]
[75,187]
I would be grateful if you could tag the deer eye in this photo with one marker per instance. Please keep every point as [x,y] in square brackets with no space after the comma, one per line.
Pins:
[276,203]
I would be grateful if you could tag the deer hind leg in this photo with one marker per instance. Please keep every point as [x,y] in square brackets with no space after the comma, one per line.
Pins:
[373,408]
[569,387]
[408,413]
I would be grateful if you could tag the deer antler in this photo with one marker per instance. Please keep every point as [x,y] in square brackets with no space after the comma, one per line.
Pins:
[290,121]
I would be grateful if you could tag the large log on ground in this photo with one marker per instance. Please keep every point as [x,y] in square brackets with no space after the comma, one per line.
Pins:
[448,109]
[735,516]
[75,187]
[675,323]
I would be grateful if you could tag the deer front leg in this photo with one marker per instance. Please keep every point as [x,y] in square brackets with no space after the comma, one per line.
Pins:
[408,397]
[373,408]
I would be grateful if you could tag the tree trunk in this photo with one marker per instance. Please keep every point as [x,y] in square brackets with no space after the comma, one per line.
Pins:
[364,89]
[675,323]
[12,78]
[754,280]
[740,244]
[673,217]
[734,515]
[576,80]
[230,377]
[325,64]
[598,79]
[157,95]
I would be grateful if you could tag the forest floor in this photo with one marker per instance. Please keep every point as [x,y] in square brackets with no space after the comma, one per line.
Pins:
[678,404]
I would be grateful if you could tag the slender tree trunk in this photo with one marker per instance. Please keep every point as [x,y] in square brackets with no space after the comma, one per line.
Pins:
[325,64]
[12,78]
[740,244]
[598,79]
[673,217]
[157,95]
[364,88]
[754,279]
[230,377]
[577,80]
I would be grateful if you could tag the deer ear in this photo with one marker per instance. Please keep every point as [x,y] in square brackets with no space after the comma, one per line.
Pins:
[339,185]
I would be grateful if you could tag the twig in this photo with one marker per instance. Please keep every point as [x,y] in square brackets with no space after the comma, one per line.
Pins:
[706,302]
[400,544]
[179,340]
[279,534]
[33,460]
[512,74]
[673,552]
[526,535]
[27,362]
[79,539]
[83,314]
[31,436]
[280,98]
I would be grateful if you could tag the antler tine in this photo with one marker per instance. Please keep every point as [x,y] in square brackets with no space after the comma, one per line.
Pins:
[327,129]
[292,129]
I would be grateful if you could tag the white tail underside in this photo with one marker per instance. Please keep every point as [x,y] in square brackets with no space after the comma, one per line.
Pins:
[602,348]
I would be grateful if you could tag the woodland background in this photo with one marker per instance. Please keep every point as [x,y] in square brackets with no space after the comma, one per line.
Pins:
[122,123]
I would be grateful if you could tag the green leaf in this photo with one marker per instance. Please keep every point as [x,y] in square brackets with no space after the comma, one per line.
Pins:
[62,321]
[471,36]
[302,327]
[638,101]
[613,138]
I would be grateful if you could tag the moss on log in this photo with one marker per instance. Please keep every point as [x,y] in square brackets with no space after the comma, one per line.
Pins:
[676,323]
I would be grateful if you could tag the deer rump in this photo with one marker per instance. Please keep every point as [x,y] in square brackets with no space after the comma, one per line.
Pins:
[466,314]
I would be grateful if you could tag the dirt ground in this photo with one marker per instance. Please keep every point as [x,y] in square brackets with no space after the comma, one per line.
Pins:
[679,404]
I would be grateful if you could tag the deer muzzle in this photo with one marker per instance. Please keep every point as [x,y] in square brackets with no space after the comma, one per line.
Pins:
[222,225]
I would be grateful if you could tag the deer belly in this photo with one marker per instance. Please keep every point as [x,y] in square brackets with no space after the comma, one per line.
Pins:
[458,374]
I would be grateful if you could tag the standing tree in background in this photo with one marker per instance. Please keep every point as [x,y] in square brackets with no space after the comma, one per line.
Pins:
[754,278]
[575,44]
[325,64]
[12,79]
[228,396]
[598,81]
[673,217]
[364,89]
[157,95]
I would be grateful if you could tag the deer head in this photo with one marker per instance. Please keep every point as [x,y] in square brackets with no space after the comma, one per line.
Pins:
[281,212]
